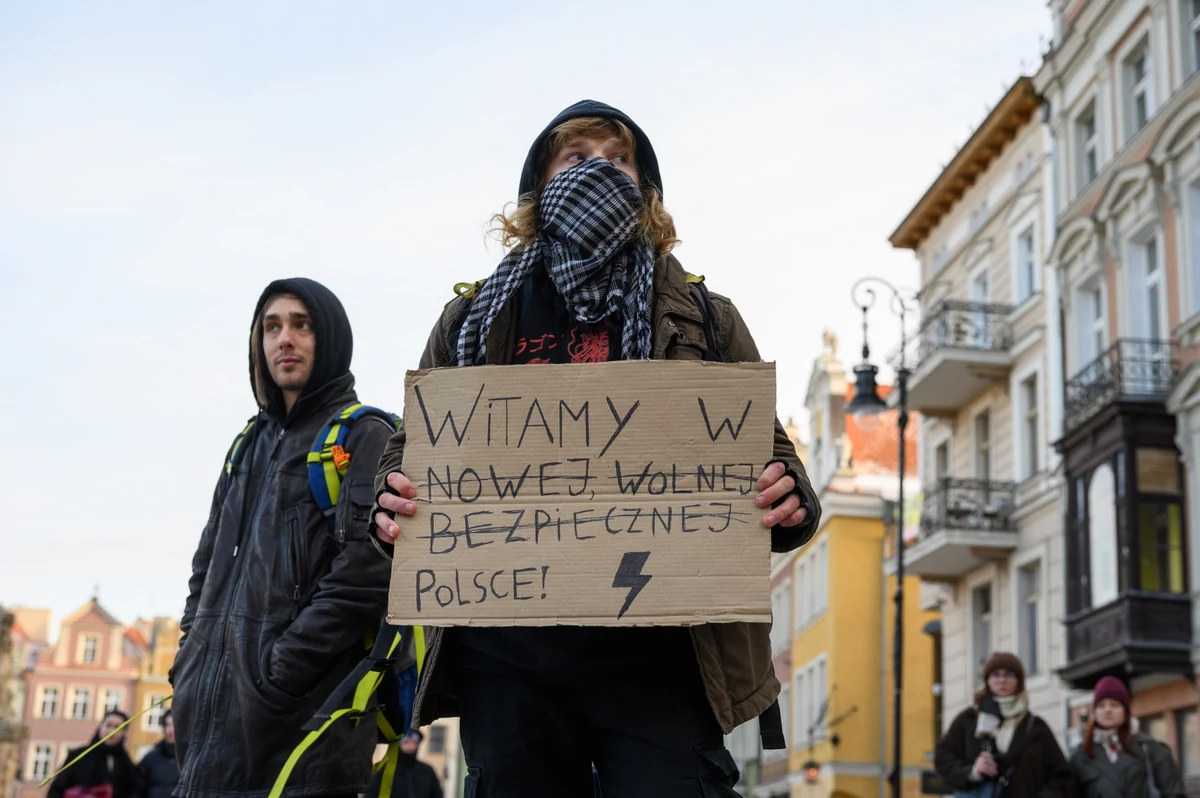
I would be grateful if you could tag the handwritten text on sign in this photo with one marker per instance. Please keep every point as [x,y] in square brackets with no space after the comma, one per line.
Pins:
[611,494]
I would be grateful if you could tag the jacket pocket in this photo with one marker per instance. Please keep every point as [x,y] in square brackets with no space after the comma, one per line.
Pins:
[354,514]
[718,772]
[293,558]
[185,705]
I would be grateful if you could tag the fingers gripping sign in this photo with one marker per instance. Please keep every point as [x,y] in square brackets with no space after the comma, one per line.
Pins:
[397,500]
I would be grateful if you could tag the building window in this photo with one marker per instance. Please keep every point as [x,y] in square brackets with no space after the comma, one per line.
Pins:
[1088,138]
[781,615]
[1146,283]
[941,258]
[1092,331]
[1026,265]
[1188,722]
[941,461]
[112,700]
[1029,427]
[810,704]
[49,708]
[43,760]
[801,595]
[981,623]
[1029,594]
[822,575]
[437,739]
[785,718]
[812,589]
[1139,94]
[983,446]
[91,645]
[1160,545]
[153,719]
[81,707]
[1104,571]
[799,732]
[822,700]
[1194,240]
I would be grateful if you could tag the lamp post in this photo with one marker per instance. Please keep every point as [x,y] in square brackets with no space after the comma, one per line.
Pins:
[866,402]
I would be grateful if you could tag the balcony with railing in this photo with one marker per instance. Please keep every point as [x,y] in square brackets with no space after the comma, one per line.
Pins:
[961,348]
[1133,370]
[965,523]
[1139,633]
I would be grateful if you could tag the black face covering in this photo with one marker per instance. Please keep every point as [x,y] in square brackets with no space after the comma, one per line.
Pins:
[334,341]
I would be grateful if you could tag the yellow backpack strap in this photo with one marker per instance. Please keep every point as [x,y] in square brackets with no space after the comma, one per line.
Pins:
[694,278]
[468,290]
[103,740]
[365,680]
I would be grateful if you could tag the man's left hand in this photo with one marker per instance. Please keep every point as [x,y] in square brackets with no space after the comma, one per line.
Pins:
[773,485]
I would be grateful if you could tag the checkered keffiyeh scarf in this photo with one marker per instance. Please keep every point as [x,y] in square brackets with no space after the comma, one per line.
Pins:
[588,219]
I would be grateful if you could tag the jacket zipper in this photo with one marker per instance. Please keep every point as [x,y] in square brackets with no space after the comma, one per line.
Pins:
[237,572]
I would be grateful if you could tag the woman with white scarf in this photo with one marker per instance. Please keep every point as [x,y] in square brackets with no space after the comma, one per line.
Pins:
[998,747]
[1115,760]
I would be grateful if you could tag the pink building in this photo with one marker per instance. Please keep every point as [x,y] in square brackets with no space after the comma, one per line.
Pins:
[91,669]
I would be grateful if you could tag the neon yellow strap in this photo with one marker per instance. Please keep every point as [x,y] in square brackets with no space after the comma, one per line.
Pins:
[468,290]
[333,479]
[237,444]
[390,761]
[363,691]
[694,278]
[103,739]
[419,641]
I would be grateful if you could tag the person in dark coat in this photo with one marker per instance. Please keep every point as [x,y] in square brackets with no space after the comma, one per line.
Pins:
[414,778]
[158,772]
[1115,760]
[106,772]
[1014,745]
[280,598]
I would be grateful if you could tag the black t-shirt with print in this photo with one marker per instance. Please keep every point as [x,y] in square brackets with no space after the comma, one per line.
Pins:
[566,655]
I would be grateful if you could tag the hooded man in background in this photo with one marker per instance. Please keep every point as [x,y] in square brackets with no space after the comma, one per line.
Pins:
[590,279]
[280,598]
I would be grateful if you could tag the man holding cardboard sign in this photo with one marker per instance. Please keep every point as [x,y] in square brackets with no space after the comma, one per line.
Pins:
[592,535]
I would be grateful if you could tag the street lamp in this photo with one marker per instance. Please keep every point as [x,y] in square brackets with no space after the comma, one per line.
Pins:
[867,402]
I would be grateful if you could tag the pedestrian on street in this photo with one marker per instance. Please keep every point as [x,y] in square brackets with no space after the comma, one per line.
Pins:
[158,772]
[1115,760]
[590,278]
[280,598]
[106,771]
[414,778]
[998,747]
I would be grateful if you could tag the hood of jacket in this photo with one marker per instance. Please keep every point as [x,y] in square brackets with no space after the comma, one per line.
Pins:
[334,344]
[647,161]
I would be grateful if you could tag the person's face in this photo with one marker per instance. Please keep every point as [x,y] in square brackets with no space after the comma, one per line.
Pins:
[169,731]
[578,150]
[109,723]
[289,344]
[409,745]
[1002,683]
[1110,714]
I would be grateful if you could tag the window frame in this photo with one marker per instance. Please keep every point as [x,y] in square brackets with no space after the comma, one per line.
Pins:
[1133,86]
[1038,556]
[1028,449]
[89,649]
[1022,293]
[59,701]
[107,707]
[153,719]
[1086,127]
[76,692]
[988,580]
[978,454]
[35,748]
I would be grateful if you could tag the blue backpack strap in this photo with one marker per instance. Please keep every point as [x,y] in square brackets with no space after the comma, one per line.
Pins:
[236,452]
[328,458]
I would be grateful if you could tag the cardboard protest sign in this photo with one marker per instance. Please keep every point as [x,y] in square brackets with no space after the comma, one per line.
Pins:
[600,494]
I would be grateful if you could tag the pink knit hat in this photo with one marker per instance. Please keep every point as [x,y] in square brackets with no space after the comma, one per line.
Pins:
[1114,688]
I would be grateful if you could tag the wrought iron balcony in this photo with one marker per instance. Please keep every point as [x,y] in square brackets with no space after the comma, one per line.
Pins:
[960,349]
[1132,369]
[965,523]
[974,326]
[1137,634]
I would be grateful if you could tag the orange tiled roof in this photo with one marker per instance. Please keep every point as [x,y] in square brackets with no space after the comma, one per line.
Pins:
[877,450]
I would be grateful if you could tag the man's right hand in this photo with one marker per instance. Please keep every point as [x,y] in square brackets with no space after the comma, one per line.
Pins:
[386,528]
[985,766]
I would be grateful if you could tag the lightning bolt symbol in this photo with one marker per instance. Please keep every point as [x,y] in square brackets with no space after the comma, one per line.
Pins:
[629,574]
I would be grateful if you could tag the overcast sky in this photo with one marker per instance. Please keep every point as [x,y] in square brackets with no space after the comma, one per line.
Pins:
[161,162]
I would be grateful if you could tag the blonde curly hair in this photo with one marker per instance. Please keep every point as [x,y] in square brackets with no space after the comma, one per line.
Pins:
[516,229]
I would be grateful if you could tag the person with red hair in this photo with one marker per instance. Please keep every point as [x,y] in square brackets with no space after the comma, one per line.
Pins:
[1115,760]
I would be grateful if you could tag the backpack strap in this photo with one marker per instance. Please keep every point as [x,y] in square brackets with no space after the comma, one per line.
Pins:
[234,458]
[703,300]
[328,458]
[770,728]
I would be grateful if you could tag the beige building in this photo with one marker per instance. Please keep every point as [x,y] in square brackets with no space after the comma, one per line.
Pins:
[160,639]
[986,381]
[1123,86]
